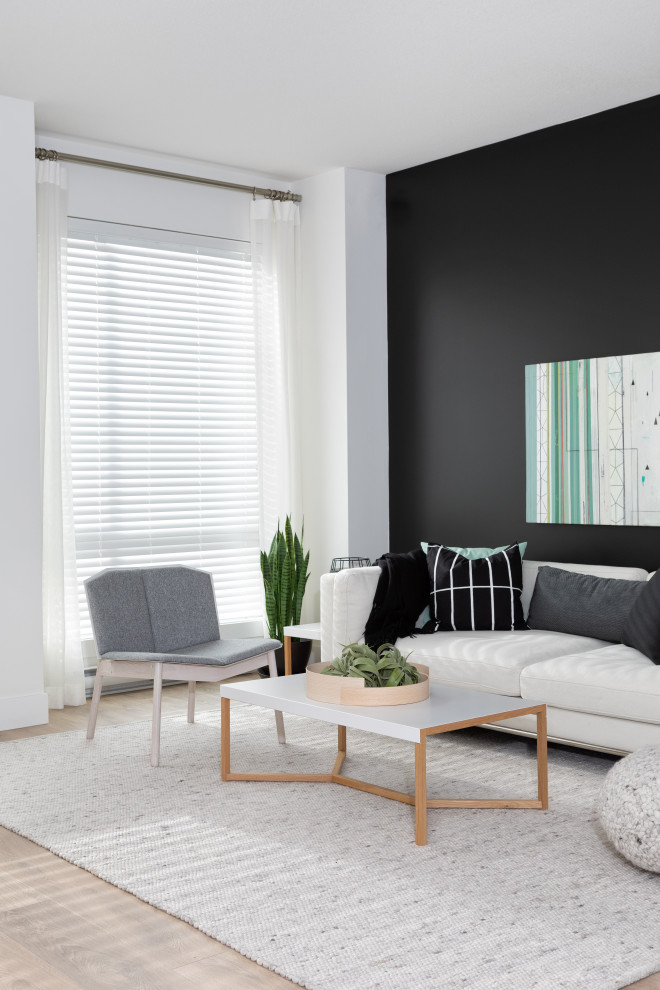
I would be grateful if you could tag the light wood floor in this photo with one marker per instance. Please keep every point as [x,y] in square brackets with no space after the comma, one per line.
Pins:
[63,929]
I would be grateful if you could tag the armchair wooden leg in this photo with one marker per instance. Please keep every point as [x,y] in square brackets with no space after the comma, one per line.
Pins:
[191,701]
[96,697]
[155,718]
[279,718]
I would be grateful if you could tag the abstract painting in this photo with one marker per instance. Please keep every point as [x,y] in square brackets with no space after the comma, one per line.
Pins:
[593,441]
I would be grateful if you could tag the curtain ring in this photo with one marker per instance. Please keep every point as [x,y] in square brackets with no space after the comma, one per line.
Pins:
[254,192]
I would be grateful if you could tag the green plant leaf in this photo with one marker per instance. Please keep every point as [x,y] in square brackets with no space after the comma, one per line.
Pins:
[271,610]
[368,666]
[272,553]
[285,593]
[362,650]
[385,667]
[298,554]
[288,537]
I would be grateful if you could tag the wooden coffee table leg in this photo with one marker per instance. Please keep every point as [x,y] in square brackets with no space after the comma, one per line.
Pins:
[224,738]
[542,755]
[341,749]
[420,791]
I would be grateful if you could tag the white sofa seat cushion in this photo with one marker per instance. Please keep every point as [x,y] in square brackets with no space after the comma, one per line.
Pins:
[487,660]
[615,680]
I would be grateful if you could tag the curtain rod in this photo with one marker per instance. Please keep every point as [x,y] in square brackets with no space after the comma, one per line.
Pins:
[44,154]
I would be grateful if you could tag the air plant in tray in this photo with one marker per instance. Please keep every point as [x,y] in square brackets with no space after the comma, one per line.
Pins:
[384,667]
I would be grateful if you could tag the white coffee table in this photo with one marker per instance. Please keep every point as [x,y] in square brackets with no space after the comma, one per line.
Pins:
[447,708]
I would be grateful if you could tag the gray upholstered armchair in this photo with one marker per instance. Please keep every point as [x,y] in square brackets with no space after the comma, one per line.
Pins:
[162,621]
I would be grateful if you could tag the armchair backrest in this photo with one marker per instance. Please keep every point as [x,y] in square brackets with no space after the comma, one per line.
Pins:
[151,609]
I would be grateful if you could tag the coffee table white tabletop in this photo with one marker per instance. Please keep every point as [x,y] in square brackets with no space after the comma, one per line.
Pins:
[446,709]
[445,706]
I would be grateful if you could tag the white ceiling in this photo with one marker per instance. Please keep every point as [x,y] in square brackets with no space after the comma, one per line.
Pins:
[295,87]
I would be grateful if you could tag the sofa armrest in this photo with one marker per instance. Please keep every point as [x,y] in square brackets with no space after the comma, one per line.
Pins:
[346,600]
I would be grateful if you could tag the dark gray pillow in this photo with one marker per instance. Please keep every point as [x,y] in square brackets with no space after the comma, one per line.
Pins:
[642,627]
[581,604]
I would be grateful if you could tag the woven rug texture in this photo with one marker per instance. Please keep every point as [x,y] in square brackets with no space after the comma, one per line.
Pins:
[325,885]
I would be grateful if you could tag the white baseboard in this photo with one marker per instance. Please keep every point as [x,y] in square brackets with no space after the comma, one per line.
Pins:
[23,710]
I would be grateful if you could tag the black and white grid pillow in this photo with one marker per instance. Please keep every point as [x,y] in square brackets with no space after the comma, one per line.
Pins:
[475,594]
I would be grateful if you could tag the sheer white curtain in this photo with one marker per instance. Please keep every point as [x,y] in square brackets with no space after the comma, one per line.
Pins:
[63,665]
[275,235]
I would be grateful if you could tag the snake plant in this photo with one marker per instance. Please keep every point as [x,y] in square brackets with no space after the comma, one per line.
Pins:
[385,667]
[285,574]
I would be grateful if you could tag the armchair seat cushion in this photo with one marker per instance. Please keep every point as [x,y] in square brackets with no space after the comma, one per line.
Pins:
[216,653]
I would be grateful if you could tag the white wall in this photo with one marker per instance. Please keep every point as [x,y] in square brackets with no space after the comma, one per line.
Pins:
[22,697]
[343,369]
[366,364]
[323,384]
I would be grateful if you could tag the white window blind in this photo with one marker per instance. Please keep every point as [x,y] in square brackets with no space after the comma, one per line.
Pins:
[163,407]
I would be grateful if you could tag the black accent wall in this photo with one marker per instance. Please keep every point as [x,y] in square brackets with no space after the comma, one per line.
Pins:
[542,248]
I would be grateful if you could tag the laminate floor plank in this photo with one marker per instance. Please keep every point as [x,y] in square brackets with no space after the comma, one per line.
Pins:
[82,951]
[21,970]
[120,915]
[229,969]
[62,928]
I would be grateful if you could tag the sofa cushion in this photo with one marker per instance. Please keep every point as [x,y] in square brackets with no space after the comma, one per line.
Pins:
[615,680]
[530,570]
[476,553]
[475,594]
[642,627]
[487,660]
[582,603]
[470,553]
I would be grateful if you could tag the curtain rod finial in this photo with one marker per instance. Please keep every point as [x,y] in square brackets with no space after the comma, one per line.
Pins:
[45,155]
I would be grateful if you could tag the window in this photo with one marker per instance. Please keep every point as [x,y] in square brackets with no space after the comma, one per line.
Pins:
[161,359]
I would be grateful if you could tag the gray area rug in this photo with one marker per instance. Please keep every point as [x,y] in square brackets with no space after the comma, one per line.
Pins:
[325,885]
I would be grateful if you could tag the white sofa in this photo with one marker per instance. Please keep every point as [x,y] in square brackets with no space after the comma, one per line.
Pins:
[599,695]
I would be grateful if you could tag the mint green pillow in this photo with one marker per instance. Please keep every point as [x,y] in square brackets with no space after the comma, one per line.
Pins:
[470,553]
[477,553]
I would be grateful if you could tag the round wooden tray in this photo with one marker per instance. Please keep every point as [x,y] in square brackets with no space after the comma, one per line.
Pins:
[352,690]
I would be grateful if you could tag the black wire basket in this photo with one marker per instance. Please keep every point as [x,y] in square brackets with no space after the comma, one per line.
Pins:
[341,563]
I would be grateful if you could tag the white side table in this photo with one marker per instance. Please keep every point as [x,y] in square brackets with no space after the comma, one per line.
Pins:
[310,630]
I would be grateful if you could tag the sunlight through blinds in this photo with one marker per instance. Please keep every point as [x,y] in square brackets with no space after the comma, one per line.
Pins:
[163,407]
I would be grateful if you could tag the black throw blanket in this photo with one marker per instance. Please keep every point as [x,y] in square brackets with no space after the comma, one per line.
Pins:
[402,593]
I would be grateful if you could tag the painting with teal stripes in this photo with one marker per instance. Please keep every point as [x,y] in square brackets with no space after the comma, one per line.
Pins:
[593,441]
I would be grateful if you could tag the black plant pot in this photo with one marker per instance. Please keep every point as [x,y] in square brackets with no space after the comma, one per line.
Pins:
[300,652]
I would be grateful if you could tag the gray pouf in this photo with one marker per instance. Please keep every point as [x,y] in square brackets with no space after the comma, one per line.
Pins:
[630,807]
